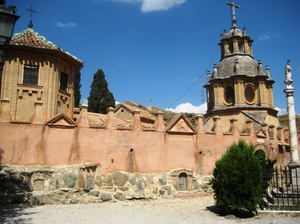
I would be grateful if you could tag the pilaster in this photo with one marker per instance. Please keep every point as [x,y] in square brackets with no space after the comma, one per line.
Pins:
[216,125]
[38,117]
[5,114]
[83,120]
[250,128]
[199,124]
[136,120]
[110,119]
[234,127]
[159,124]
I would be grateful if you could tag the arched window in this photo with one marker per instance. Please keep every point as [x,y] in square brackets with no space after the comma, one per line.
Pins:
[229,95]
[249,94]
[182,182]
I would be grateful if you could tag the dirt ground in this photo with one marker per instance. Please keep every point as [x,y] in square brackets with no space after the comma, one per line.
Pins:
[167,211]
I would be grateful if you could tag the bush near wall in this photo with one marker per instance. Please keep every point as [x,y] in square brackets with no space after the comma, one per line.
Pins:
[237,179]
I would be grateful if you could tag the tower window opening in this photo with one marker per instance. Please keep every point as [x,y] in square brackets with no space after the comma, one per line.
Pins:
[229,95]
[249,94]
[63,81]
[241,49]
[31,75]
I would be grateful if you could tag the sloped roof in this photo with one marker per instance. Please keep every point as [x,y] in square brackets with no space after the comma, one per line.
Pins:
[261,134]
[61,120]
[31,38]
[130,108]
[98,120]
[180,123]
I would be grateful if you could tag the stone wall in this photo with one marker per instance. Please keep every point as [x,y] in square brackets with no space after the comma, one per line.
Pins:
[37,185]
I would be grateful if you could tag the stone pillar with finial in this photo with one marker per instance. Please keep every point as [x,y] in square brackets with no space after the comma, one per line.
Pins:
[289,91]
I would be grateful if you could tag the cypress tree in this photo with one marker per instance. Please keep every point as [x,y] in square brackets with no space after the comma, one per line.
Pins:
[100,98]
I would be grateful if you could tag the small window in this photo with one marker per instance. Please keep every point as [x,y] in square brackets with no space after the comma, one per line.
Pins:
[229,95]
[63,81]
[182,182]
[249,94]
[31,75]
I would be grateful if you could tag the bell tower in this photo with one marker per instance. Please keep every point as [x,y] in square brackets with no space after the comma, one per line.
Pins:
[239,87]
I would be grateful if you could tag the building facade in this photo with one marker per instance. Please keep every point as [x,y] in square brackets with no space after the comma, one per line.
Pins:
[37,99]
[37,81]
[239,87]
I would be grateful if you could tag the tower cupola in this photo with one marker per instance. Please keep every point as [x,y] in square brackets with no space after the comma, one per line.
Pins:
[239,86]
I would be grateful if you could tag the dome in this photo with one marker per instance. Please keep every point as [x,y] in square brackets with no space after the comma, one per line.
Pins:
[247,66]
[233,32]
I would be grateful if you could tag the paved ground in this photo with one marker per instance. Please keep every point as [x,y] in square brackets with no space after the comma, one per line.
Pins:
[167,211]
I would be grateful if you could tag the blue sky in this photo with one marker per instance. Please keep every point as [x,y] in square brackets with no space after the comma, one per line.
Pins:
[157,52]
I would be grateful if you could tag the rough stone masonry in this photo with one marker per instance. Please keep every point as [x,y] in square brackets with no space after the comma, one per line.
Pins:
[39,185]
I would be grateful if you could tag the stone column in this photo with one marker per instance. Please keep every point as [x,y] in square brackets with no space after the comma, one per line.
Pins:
[289,91]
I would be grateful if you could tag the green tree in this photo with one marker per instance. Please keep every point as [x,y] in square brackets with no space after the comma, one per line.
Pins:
[267,166]
[77,93]
[100,98]
[237,179]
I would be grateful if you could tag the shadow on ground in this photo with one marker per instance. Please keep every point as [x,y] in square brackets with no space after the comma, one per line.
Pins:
[239,214]
[14,214]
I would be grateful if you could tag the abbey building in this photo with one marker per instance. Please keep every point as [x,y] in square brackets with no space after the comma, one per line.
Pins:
[39,125]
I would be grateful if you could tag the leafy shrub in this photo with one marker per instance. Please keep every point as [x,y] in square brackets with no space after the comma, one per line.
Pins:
[237,179]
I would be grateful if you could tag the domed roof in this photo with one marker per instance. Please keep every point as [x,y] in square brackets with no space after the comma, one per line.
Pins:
[247,66]
[32,39]
[233,32]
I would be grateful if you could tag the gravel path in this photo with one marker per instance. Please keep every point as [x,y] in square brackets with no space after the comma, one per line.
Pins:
[167,211]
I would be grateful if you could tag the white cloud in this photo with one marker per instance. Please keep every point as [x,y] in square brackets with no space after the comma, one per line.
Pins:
[153,5]
[156,5]
[189,108]
[65,25]
[281,111]
[264,36]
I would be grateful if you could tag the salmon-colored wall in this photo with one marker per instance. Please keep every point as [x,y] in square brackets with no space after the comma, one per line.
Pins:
[149,151]
[127,150]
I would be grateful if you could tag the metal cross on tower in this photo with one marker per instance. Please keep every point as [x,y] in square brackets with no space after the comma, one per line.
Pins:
[30,25]
[233,6]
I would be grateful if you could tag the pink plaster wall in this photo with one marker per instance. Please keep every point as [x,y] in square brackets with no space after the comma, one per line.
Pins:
[111,149]
[149,151]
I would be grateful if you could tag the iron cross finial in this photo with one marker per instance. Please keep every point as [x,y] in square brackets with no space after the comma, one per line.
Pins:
[233,6]
[30,25]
